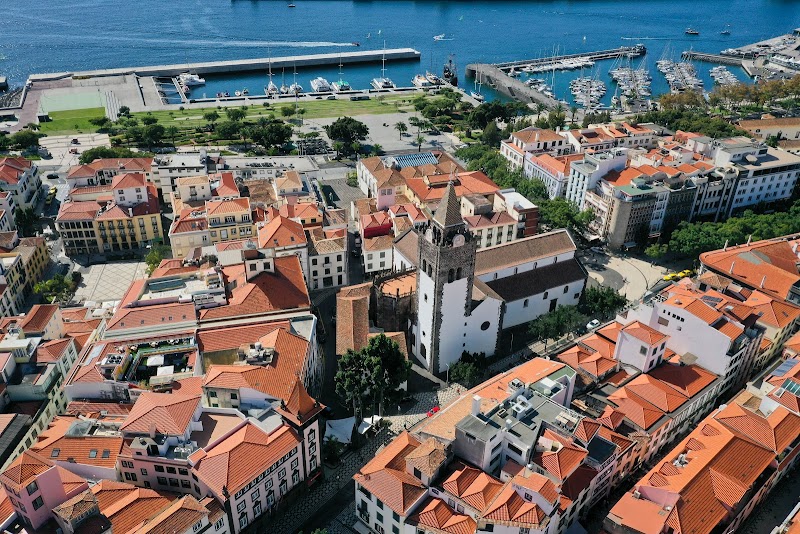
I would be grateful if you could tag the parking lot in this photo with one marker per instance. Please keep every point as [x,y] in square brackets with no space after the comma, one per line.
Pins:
[59,147]
[630,276]
[108,281]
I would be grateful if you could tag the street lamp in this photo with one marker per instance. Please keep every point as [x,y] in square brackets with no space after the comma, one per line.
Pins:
[448,374]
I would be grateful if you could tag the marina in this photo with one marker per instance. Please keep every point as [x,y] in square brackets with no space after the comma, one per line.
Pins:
[680,76]
[570,61]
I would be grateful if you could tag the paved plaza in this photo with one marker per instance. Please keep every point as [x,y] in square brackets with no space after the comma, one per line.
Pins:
[108,281]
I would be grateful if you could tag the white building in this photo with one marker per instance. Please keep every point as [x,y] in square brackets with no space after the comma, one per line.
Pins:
[585,175]
[21,178]
[532,140]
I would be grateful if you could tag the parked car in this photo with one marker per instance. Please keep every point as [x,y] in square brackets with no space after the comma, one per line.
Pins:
[53,190]
[686,272]
[591,325]
[672,276]
[52,176]
[598,250]
[75,141]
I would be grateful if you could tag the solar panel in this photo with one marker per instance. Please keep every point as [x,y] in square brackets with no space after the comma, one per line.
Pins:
[791,386]
[784,368]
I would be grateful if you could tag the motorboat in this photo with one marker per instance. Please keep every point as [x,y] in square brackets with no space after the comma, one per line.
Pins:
[340,86]
[691,31]
[434,79]
[382,83]
[477,96]
[421,82]
[189,79]
[438,37]
[271,88]
[320,85]
[296,88]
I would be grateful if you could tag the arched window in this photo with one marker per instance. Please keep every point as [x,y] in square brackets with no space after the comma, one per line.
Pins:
[450,274]
[424,266]
[423,351]
[430,271]
[458,273]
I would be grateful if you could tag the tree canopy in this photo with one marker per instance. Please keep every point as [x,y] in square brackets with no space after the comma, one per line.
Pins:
[104,152]
[347,131]
[154,257]
[601,301]
[553,325]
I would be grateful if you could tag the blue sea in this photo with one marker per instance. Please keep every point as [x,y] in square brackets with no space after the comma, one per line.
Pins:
[65,35]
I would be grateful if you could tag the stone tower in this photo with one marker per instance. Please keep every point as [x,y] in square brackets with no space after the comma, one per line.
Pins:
[444,285]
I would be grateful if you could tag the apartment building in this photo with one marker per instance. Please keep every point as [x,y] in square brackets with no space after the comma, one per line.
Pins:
[101,172]
[554,172]
[21,178]
[124,215]
[507,455]
[383,178]
[533,141]
[585,174]
[8,208]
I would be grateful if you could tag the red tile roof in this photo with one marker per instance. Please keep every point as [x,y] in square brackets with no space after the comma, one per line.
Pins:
[52,351]
[126,505]
[36,320]
[644,333]
[168,414]
[434,514]
[12,169]
[128,179]
[472,485]
[385,475]
[281,232]
[562,461]
[509,506]
[55,443]
[242,456]
[285,289]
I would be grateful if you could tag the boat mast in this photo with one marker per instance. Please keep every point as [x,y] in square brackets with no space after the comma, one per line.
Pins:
[383,61]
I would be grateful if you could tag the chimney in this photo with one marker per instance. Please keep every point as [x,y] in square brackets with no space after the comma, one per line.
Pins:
[794,247]
[153,430]
[509,423]
[749,238]
[726,246]
[730,271]
[130,212]
[763,280]
[476,405]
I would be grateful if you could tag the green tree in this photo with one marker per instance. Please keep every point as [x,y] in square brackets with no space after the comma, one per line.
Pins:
[235,114]
[377,149]
[602,301]
[419,141]
[388,367]
[287,111]
[25,139]
[465,373]
[656,250]
[352,380]
[347,130]
[402,128]
[124,111]
[561,213]
[154,257]
[100,122]
[152,134]
[228,130]
[104,152]
[211,117]
[557,323]
[57,288]
[491,135]
[26,220]
[274,134]
[171,132]
[300,113]
[149,119]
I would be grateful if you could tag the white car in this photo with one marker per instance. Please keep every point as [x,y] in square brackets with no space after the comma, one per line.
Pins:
[598,250]
[591,325]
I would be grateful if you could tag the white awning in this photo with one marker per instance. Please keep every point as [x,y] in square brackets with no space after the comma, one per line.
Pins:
[341,429]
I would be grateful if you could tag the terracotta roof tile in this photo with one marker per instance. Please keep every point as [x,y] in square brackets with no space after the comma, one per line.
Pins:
[471,485]
[281,232]
[168,414]
[434,514]
[126,505]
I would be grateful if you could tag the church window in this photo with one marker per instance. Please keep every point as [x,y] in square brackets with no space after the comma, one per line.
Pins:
[458,273]
[485,325]
[450,275]
[424,266]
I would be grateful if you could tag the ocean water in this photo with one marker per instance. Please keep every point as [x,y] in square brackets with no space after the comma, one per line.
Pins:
[64,35]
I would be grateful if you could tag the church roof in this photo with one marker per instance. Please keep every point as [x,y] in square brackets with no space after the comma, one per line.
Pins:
[449,211]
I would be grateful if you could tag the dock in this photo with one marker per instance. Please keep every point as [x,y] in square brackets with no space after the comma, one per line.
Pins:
[612,53]
[497,78]
[712,58]
[243,65]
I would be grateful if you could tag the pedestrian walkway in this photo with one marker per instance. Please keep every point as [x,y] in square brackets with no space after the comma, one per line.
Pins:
[424,373]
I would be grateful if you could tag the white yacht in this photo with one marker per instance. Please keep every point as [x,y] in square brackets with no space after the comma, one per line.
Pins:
[189,79]
[421,82]
[434,79]
[382,83]
[320,85]
[295,88]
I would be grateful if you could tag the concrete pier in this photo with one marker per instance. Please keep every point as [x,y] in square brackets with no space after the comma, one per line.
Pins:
[712,58]
[242,65]
[622,51]
[502,82]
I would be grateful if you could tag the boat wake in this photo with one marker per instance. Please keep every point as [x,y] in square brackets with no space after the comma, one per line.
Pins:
[645,38]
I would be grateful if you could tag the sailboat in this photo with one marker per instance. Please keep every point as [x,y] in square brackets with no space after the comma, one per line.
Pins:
[283,90]
[383,82]
[476,94]
[271,88]
[726,31]
[341,84]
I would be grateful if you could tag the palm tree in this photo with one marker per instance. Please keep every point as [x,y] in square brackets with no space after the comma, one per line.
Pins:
[377,149]
[172,133]
[574,110]
[301,112]
[338,146]
[418,141]
[540,108]
[401,127]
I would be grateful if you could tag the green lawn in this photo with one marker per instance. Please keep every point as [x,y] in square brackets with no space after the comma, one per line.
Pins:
[315,109]
[72,121]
